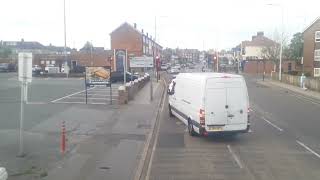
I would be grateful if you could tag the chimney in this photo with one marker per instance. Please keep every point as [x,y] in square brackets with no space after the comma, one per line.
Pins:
[142,31]
[135,25]
[253,37]
[22,40]
[260,33]
[147,35]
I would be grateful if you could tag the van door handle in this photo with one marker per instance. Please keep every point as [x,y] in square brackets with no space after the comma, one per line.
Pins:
[230,115]
[226,106]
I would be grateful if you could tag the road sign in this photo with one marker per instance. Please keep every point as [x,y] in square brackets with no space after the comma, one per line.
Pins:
[25,67]
[140,62]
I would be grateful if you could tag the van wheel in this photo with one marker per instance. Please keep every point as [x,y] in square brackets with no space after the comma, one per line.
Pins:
[190,128]
[170,112]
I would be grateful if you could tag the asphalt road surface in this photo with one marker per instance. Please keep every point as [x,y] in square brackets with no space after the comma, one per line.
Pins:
[283,143]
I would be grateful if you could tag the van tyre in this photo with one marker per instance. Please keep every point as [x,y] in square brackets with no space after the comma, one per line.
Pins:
[190,128]
[170,111]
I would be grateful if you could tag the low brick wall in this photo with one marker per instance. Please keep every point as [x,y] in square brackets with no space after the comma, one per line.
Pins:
[310,83]
[128,92]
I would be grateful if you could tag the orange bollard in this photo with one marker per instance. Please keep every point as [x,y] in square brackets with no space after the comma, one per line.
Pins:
[63,138]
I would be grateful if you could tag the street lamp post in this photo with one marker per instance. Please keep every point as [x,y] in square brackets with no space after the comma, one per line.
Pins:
[65,36]
[281,42]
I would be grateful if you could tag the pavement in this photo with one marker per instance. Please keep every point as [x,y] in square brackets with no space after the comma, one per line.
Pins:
[295,89]
[103,140]
[283,143]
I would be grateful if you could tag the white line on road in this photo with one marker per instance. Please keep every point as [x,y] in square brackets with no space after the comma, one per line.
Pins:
[69,95]
[36,103]
[235,157]
[275,126]
[100,94]
[73,97]
[70,102]
[307,148]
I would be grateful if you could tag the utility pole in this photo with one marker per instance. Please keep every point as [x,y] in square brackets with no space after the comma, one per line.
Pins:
[281,45]
[65,36]
[91,57]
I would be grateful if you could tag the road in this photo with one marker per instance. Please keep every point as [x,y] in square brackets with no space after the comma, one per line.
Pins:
[283,143]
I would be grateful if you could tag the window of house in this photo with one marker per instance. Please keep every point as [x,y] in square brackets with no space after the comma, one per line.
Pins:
[41,62]
[317,36]
[47,62]
[316,72]
[53,62]
[317,55]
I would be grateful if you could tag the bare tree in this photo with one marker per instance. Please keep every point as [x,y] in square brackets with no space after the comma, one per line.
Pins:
[272,51]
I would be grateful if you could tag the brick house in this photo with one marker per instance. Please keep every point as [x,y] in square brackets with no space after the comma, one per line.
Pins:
[137,43]
[251,50]
[98,57]
[311,48]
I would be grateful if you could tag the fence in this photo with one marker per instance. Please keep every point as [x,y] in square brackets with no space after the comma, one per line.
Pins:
[310,83]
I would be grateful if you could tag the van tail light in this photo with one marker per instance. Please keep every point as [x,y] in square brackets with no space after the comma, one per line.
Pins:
[202,117]
[249,110]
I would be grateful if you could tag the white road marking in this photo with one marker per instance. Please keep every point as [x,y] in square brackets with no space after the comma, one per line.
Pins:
[101,95]
[275,126]
[69,95]
[307,148]
[70,102]
[72,97]
[36,103]
[235,157]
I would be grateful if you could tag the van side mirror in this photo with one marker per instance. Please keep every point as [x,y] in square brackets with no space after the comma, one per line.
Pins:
[171,88]
[170,92]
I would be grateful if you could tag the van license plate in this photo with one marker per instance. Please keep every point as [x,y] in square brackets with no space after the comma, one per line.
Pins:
[217,128]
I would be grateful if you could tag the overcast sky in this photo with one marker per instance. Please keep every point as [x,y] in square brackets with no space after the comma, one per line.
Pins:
[185,24]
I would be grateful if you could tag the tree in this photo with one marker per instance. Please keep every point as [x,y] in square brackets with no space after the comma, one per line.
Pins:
[88,46]
[296,47]
[272,51]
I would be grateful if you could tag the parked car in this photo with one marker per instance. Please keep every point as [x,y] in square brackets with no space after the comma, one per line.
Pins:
[164,67]
[210,103]
[178,66]
[174,70]
[36,70]
[117,76]
[4,67]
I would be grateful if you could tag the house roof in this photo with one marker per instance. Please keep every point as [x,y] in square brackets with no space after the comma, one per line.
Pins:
[318,18]
[125,24]
[259,41]
[24,44]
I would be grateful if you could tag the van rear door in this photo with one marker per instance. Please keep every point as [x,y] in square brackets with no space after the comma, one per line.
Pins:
[225,101]
[215,101]
[237,104]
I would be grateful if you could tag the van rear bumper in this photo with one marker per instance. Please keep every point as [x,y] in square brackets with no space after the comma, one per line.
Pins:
[226,129]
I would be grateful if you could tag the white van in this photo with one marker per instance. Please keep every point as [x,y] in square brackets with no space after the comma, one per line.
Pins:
[210,102]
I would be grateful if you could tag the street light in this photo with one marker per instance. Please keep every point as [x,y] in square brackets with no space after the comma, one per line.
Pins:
[281,42]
